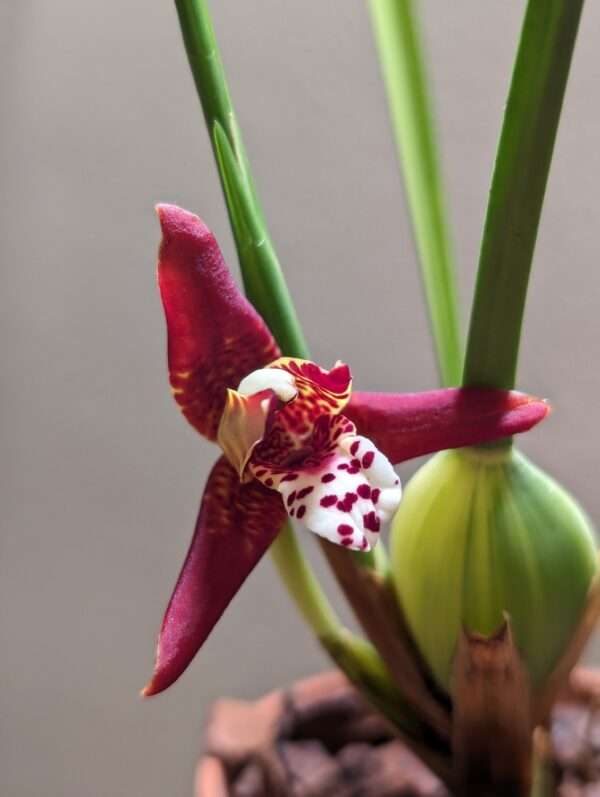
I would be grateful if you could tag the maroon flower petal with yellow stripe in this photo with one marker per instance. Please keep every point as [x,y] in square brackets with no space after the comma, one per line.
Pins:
[215,337]
[236,524]
[407,425]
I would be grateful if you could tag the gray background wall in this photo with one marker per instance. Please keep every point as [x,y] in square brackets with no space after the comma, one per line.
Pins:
[100,477]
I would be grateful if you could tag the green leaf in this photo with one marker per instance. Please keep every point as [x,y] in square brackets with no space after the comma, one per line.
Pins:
[261,272]
[518,187]
[248,227]
[399,42]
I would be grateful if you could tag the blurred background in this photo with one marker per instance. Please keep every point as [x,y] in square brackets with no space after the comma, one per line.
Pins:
[100,476]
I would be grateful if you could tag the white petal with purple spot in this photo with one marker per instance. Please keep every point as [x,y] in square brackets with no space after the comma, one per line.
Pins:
[347,496]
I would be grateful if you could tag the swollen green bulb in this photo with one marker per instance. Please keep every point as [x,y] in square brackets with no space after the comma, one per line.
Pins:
[482,533]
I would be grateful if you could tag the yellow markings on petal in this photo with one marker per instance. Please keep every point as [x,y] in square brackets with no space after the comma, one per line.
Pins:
[242,427]
[317,387]
[176,377]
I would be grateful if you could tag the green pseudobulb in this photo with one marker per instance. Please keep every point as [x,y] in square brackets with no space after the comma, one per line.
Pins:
[482,533]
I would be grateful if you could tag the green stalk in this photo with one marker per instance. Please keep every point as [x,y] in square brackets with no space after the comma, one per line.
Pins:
[544,770]
[261,271]
[373,679]
[398,39]
[303,586]
[517,193]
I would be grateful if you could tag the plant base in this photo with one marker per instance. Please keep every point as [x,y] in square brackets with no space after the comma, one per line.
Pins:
[319,738]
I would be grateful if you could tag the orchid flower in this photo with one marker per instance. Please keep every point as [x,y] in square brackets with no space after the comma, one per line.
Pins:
[295,439]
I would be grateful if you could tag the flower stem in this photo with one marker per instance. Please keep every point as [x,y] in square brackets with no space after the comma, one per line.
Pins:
[398,39]
[302,584]
[544,782]
[517,193]
[362,665]
[261,271]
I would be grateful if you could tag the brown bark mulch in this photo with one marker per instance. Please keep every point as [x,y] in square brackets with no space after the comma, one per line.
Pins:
[319,738]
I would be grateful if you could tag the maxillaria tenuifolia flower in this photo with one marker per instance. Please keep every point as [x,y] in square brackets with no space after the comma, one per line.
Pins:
[483,534]
[295,439]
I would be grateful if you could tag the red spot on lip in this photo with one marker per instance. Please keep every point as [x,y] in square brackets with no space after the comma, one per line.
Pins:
[304,492]
[291,498]
[328,477]
[354,447]
[371,522]
[346,504]
[346,541]
[328,500]
[344,529]
[364,490]
[375,495]
[301,512]
[368,458]
[289,477]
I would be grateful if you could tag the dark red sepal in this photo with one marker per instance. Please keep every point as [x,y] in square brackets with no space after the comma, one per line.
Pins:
[215,337]
[407,425]
[236,524]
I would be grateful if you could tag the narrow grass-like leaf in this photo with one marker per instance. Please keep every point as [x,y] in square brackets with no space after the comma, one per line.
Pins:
[261,271]
[263,279]
[399,42]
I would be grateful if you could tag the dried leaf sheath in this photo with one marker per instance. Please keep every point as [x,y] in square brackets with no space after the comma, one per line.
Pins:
[492,717]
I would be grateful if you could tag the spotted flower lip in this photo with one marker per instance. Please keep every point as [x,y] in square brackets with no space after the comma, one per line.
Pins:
[296,440]
[293,437]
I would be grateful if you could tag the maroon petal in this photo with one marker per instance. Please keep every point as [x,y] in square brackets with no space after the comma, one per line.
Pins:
[215,337]
[236,525]
[407,425]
